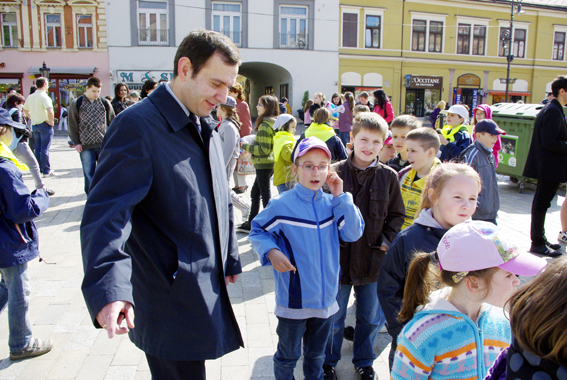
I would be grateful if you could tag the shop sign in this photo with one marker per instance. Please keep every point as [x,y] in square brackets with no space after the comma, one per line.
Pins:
[468,80]
[142,76]
[419,81]
[475,99]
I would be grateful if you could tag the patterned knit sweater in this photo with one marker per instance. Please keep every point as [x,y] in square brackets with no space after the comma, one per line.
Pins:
[442,343]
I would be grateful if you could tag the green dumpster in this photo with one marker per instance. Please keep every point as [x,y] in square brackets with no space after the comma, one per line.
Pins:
[518,122]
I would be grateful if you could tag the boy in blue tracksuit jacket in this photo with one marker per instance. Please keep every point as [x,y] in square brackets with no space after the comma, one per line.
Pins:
[303,226]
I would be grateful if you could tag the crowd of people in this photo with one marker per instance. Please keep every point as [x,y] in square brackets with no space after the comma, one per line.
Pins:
[404,216]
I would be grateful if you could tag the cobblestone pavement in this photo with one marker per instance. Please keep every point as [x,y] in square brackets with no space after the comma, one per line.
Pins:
[58,311]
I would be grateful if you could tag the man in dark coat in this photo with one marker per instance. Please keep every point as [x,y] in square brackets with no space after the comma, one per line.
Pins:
[157,232]
[547,162]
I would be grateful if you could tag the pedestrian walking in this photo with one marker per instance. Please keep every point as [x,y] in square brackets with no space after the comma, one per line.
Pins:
[452,328]
[39,108]
[282,236]
[89,117]
[157,230]
[547,154]
[18,245]
[19,145]
[120,101]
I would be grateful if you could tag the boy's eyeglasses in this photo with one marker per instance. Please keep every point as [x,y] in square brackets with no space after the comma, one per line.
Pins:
[310,168]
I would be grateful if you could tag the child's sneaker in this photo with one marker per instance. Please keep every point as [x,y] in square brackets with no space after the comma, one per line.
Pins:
[562,238]
[244,228]
[366,373]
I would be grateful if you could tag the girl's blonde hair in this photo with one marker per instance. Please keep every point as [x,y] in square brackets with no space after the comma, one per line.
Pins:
[437,180]
[538,313]
[425,276]
[237,89]
[322,96]
[441,105]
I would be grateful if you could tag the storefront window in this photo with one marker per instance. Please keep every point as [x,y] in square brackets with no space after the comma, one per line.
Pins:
[7,84]
[432,97]
[64,91]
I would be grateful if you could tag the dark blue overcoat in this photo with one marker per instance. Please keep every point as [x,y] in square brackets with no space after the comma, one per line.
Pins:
[158,232]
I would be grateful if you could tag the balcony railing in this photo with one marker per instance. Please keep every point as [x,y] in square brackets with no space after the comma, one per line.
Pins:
[294,41]
[153,37]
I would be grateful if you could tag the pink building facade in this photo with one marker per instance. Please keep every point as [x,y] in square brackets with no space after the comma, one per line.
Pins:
[69,36]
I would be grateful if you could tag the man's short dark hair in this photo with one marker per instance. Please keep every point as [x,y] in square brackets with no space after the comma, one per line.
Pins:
[94,81]
[559,83]
[427,138]
[363,94]
[200,45]
[284,99]
[40,82]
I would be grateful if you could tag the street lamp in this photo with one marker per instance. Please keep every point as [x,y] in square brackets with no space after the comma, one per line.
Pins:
[44,71]
[508,37]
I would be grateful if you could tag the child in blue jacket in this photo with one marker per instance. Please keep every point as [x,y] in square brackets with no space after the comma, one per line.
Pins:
[18,245]
[298,234]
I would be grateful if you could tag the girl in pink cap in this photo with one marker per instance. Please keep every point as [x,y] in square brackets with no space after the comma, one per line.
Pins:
[458,331]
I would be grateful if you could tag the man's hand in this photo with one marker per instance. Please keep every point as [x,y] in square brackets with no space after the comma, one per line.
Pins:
[383,248]
[232,279]
[279,261]
[112,315]
[335,184]
[79,148]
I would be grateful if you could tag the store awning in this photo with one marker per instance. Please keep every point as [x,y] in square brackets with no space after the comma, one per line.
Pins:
[511,93]
[66,70]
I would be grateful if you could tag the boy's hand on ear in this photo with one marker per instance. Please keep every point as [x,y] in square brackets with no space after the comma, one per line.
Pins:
[335,184]
[279,261]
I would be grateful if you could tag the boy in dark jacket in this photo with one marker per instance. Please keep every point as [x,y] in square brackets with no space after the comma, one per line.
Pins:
[18,244]
[376,192]
[479,156]
[455,135]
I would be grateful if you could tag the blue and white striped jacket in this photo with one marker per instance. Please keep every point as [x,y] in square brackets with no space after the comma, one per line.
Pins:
[306,225]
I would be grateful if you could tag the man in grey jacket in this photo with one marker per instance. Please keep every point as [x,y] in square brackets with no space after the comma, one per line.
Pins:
[479,155]
[89,117]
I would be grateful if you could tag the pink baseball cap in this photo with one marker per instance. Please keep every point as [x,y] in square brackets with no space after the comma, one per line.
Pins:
[388,140]
[476,245]
[310,143]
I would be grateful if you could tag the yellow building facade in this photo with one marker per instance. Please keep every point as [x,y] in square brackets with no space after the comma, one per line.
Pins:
[423,51]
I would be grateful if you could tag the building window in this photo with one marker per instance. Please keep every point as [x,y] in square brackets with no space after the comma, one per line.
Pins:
[53,31]
[464,39]
[227,20]
[519,42]
[435,36]
[559,46]
[9,30]
[372,34]
[85,31]
[293,27]
[418,35]
[350,29]
[479,39]
[152,23]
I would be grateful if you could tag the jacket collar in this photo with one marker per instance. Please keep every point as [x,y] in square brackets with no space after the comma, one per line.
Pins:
[482,148]
[373,166]
[556,103]
[306,194]
[175,115]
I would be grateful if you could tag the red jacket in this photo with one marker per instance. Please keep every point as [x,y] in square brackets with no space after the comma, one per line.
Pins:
[388,115]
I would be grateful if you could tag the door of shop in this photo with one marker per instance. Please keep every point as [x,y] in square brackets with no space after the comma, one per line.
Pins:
[414,102]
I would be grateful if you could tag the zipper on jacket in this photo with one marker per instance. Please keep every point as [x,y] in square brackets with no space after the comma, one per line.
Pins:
[320,247]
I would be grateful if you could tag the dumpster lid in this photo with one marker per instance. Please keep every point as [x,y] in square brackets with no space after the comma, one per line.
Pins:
[514,110]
